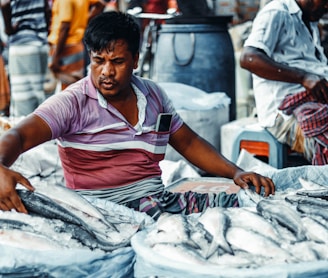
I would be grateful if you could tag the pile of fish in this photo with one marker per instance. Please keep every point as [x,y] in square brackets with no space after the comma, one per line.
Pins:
[59,218]
[285,228]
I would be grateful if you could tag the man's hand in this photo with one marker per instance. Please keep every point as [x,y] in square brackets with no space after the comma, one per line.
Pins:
[244,179]
[54,66]
[317,85]
[8,196]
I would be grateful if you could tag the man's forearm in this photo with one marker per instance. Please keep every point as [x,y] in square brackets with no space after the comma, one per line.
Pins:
[10,148]
[63,34]
[6,13]
[260,64]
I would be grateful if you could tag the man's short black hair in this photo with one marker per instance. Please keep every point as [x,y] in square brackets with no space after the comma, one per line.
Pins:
[109,26]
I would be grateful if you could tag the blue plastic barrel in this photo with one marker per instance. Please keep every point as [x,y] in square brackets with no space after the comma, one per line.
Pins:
[198,52]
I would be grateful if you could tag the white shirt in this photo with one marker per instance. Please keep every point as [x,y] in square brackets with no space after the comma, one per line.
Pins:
[279,31]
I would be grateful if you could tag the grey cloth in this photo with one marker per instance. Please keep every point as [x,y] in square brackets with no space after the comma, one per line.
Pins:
[122,195]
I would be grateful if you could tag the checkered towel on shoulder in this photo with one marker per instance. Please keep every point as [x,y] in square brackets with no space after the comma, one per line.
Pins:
[312,115]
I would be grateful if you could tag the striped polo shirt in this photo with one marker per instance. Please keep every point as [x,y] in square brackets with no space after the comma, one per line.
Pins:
[98,147]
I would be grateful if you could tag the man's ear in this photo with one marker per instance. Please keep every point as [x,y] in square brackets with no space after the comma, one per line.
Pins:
[136,59]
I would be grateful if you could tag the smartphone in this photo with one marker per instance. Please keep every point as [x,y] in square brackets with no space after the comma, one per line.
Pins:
[163,123]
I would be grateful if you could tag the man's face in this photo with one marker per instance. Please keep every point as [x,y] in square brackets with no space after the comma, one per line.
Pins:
[315,9]
[111,69]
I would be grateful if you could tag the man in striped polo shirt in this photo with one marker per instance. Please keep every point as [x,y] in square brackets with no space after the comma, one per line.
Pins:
[113,128]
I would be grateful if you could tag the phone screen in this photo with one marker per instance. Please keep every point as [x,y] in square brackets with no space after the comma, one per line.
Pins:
[163,122]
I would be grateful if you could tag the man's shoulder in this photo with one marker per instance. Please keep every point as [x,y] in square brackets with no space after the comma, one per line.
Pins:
[145,85]
[142,80]
[81,89]
[281,5]
[78,85]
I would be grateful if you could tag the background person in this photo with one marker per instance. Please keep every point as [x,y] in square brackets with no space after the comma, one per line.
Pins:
[26,24]
[4,81]
[68,22]
[4,85]
[289,67]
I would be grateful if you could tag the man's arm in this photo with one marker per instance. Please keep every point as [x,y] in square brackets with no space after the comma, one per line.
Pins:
[63,34]
[203,155]
[30,132]
[96,9]
[257,62]
[47,13]
[6,14]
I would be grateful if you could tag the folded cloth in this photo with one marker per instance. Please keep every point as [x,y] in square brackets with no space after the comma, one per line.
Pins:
[311,113]
[185,203]
[312,118]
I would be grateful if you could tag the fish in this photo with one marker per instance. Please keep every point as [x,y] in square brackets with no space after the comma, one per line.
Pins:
[180,229]
[315,230]
[256,244]
[71,198]
[253,195]
[281,213]
[98,227]
[89,240]
[42,205]
[317,193]
[119,217]
[302,251]
[216,222]
[28,240]
[319,219]
[285,234]
[68,234]
[306,200]
[242,217]
[320,249]
[54,229]
[313,210]
[201,239]
[124,234]
[107,239]
[310,185]
[169,228]
[117,236]
[10,224]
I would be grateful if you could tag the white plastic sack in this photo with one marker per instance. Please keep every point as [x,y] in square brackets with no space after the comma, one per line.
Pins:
[74,263]
[186,97]
[175,170]
[149,263]
[286,178]
[203,112]
[16,262]
[41,163]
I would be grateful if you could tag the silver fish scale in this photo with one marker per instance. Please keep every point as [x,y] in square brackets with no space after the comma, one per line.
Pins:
[283,214]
